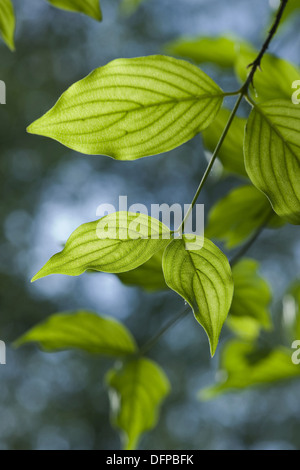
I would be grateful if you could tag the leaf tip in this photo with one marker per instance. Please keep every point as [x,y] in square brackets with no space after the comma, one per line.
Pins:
[39,275]
[95,14]
[35,278]
[9,41]
[40,126]
[212,351]
[99,17]
[213,344]
[33,128]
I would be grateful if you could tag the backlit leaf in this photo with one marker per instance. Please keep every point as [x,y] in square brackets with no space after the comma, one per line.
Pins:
[243,366]
[227,220]
[88,7]
[116,243]
[133,108]
[81,330]
[272,155]
[292,8]
[221,51]
[249,309]
[201,274]
[7,23]
[136,391]
[246,328]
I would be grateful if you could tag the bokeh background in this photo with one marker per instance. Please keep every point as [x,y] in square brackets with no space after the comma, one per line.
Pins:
[59,401]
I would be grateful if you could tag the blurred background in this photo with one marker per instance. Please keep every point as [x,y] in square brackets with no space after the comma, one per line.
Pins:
[59,401]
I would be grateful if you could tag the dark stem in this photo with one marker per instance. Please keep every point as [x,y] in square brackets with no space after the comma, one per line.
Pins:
[152,341]
[251,241]
[243,92]
[256,64]
[212,161]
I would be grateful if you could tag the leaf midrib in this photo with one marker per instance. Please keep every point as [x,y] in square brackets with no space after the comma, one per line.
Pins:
[138,108]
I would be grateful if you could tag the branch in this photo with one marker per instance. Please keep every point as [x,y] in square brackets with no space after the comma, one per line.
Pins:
[242,92]
[257,62]
[212,160]
[152,341]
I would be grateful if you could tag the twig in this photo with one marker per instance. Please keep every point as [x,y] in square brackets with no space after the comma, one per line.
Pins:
[257,62]
[152,341]
[242,92]
[212,161]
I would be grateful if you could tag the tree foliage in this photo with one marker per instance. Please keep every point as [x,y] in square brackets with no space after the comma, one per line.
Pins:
[138,107]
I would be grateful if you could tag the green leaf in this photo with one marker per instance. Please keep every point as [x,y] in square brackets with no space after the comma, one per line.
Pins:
[221,51]
[149,276]
[201,274]
[292,8]
[116,243]
[133,108]
[275,78]
[7,23]
[231,152]
[272,155]
[87,7]
[243,366]
[136,391]
[227,220]
[246,328]
[81,330]
[249,309]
